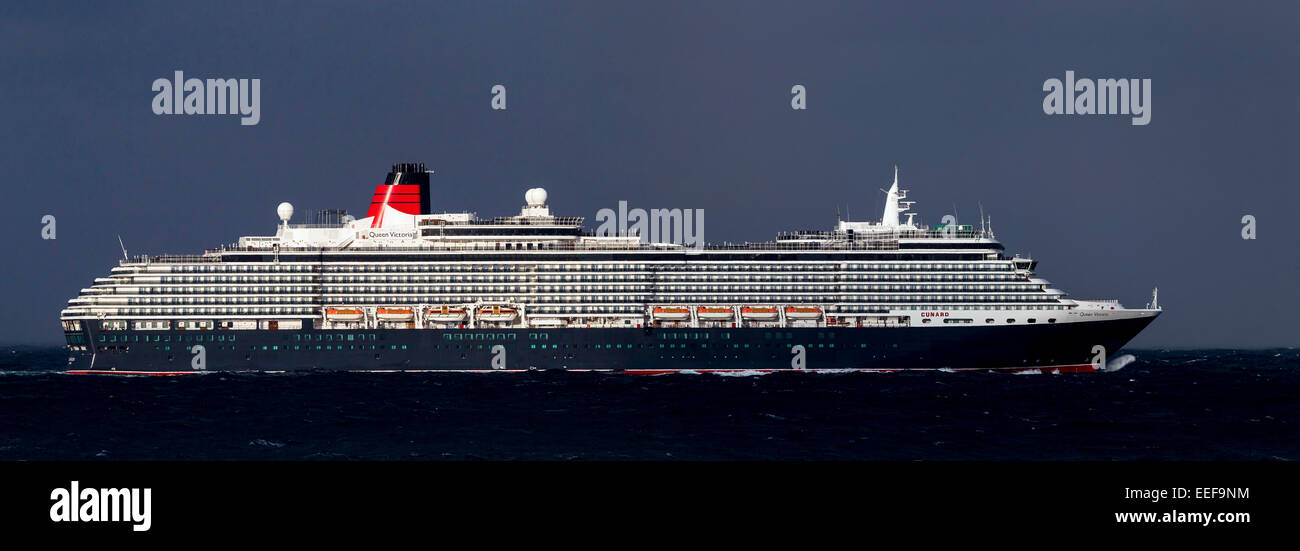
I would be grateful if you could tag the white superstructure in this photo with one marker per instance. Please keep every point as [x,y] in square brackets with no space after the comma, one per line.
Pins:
[536,269]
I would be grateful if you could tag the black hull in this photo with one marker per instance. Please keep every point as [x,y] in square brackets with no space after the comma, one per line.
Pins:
[1062,347]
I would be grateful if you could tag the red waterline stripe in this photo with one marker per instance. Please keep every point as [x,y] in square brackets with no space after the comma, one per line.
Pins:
[1078,368]
[104,372]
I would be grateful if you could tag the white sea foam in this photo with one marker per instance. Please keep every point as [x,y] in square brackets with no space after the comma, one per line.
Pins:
[1118,363]
[742,373]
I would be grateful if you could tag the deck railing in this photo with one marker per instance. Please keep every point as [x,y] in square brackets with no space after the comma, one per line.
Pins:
[795,241]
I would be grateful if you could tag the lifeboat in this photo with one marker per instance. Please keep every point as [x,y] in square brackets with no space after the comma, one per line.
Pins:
[716,313]
[445,314]
[760,313]
[497,313]
[395,314]
[671,313]
[803,312]
[345,314]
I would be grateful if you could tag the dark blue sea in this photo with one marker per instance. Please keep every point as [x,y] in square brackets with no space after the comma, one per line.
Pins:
[1164,404]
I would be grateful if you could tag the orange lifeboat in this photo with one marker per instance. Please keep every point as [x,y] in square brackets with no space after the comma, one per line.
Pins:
[759,313]
[345,314]
[395,314]
[803,312]
[716,313]
[445,314]
[671,313]
[497,313]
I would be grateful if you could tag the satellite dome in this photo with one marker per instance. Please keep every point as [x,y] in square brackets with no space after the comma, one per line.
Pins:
[285,210]
[535,197]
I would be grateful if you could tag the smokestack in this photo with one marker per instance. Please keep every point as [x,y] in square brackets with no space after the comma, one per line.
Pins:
[406,189]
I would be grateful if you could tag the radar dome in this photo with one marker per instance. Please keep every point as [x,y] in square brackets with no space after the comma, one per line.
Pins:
[535,197]
[285,210]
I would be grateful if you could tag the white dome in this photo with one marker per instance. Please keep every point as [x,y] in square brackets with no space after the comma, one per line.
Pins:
[285,210]
[535,197]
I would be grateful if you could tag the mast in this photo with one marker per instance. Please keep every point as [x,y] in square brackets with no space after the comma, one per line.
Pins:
[890,217]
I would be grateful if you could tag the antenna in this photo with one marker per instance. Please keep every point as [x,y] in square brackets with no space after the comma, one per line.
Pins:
[981,217]
[119,242]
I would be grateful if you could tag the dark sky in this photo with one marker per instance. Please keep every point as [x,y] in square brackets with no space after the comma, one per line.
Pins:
[676,104]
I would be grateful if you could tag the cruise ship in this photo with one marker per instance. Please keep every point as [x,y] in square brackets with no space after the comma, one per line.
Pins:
[406,288]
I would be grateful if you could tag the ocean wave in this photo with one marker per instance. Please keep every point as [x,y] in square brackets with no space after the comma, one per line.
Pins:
[1118,363]
[744,373]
